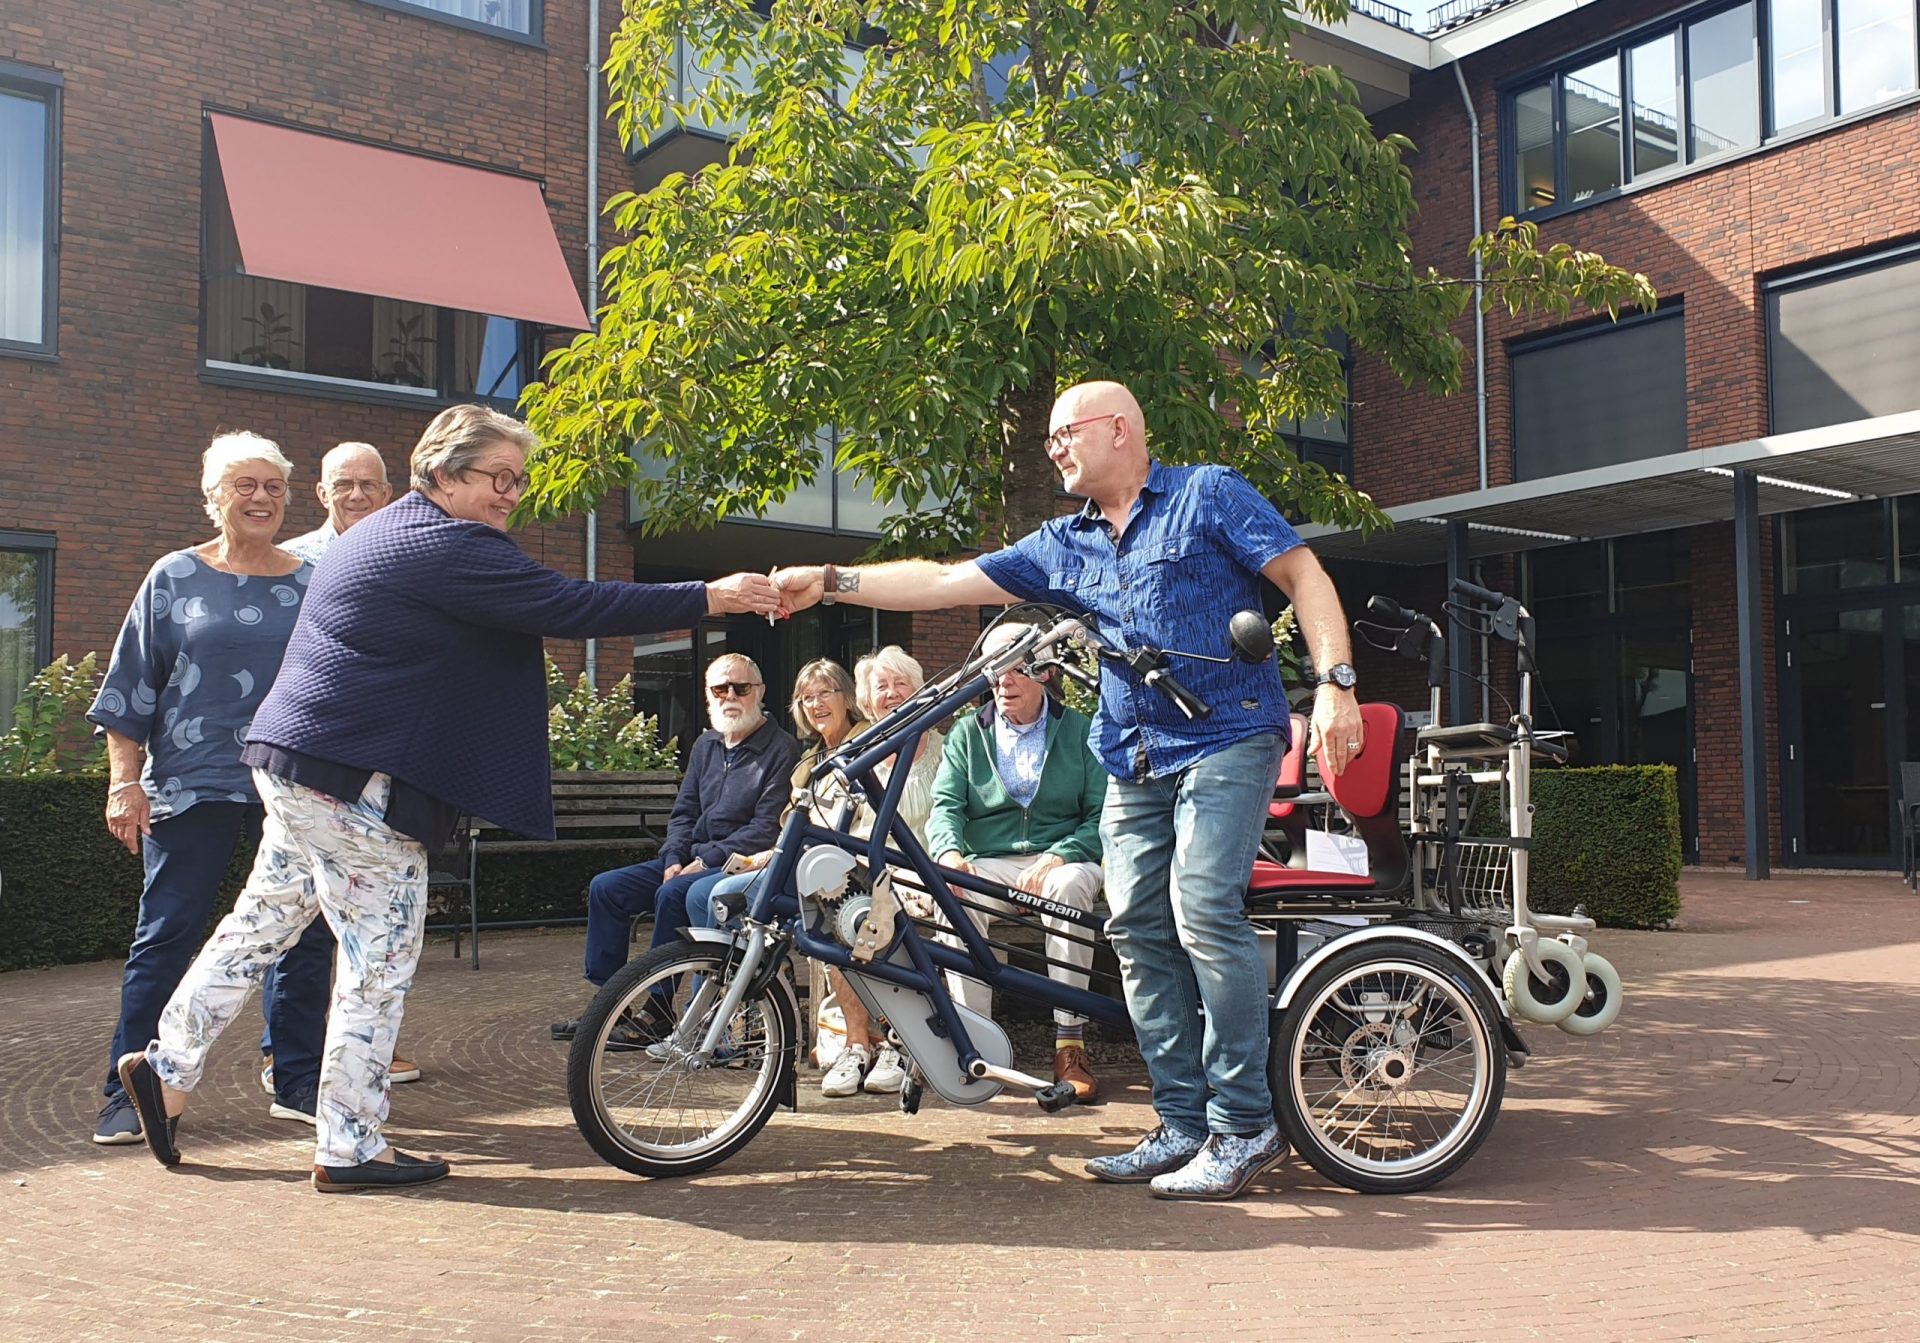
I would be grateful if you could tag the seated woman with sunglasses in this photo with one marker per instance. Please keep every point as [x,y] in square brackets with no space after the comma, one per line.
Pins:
[412,690]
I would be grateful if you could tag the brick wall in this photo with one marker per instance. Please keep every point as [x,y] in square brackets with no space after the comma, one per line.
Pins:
[101,446]
[1707,240]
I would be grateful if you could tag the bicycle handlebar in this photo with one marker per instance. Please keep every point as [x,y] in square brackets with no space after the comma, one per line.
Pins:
[1167,684]
[1473,592]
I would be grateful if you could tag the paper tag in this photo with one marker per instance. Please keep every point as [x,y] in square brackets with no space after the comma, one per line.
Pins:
[1336,853]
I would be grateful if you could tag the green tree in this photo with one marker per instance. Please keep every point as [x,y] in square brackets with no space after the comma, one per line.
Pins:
[916,241]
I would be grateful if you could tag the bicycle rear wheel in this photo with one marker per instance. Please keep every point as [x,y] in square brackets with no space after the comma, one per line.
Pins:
[641,1097]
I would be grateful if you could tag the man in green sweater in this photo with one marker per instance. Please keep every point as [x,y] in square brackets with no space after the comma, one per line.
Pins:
[1017,800]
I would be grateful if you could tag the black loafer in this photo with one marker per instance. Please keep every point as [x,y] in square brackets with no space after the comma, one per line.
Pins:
[403,1172]
[149,1099]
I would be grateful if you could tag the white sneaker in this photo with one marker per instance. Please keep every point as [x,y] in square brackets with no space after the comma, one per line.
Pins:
[888,1074]
[843,1078]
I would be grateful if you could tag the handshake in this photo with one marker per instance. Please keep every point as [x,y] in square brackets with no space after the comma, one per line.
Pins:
[779,593]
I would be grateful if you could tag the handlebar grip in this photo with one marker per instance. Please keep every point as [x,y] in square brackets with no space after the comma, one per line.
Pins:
[1189,703]
[1473,592]
[1388,609]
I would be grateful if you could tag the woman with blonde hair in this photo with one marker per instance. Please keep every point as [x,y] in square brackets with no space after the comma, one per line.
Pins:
[413,690]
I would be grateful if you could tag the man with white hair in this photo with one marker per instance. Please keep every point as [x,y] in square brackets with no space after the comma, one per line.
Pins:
[353,485]
[737,783]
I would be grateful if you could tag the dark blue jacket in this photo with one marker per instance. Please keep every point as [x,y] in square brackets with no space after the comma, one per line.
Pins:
[731,801]
[418,654]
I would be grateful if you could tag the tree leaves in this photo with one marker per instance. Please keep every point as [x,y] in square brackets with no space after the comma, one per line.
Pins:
[913,243]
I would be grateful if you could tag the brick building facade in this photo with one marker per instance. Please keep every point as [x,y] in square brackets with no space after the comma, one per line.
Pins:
[103,412]
[1716,236]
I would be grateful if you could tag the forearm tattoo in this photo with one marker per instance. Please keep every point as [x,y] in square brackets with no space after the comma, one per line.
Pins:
[846,580]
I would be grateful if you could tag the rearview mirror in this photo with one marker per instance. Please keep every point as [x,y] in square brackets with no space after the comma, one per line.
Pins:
[1252,637]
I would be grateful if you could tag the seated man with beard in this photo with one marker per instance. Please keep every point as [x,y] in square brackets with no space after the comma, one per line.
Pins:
[730,803]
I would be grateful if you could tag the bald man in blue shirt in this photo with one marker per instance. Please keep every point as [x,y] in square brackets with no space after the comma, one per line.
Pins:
[1165,555]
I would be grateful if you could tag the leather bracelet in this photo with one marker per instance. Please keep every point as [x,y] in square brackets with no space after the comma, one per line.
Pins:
[829,576]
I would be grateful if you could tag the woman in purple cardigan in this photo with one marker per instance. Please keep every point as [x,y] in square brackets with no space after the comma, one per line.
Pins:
[413,690]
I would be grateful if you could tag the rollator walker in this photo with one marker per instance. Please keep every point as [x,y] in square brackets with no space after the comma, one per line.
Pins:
[1394,992]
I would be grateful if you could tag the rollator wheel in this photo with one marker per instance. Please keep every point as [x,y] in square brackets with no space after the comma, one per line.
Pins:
[1415,1074]
[641,1099]
[1554,999]
[1600,1007]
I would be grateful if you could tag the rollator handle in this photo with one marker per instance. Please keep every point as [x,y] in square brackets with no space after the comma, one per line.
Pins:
[1473,592]
[1388,609]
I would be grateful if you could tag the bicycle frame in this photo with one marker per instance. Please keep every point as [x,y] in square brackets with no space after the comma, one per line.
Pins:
[777,908]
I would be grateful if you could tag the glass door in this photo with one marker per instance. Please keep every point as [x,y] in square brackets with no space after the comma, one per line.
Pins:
[1836,777]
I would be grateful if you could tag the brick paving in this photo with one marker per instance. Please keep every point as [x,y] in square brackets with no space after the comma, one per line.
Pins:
[1737,1158]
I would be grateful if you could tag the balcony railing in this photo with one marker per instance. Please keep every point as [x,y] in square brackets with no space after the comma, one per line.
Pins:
[1456,12]
[1378,9]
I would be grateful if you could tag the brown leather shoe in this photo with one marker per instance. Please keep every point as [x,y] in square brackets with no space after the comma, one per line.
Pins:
[1070,1065]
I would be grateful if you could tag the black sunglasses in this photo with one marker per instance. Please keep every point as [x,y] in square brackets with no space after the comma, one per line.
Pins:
[720,689]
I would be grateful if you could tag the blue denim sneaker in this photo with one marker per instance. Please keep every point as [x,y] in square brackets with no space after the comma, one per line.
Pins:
[1224,1167]
[1164,1149]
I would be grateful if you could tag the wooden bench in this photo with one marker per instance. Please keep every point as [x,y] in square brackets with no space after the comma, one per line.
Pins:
[602,809]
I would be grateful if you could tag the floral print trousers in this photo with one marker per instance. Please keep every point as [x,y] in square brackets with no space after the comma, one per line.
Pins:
[341,861]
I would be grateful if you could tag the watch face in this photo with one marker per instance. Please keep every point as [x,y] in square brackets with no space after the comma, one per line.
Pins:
[1340,674]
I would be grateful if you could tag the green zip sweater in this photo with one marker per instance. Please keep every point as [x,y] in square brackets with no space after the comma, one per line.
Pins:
[972,812]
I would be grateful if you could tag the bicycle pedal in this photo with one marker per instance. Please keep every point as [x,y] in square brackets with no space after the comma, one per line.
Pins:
[1056,1097]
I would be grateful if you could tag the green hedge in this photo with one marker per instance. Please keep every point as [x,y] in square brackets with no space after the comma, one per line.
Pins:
[1607,837]
[69,893]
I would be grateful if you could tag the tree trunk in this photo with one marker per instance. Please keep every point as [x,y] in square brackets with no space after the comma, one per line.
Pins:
[1027,479]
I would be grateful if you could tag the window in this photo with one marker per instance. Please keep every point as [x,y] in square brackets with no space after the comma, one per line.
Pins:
[1723,84]
[1593,129]
[831,500]
[1798,60]
[29,204]
[1832,549]
[1719,79]
[1842,343]
[1325,440]
[26,613]
[328,337]
[1601,395]
[1654,68]
[1875,47]
[519,18]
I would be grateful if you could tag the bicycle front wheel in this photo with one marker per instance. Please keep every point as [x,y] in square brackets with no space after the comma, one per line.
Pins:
[642,1097]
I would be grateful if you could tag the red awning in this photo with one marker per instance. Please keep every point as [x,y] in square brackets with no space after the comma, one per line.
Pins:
[318,210]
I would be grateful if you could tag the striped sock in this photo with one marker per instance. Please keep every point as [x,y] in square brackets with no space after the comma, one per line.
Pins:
[1069,1037]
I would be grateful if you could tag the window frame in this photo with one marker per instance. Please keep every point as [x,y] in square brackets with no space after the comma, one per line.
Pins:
[48,86]
[1676,21]
[46,546]
[225,373]
[1671,311]
[535,36]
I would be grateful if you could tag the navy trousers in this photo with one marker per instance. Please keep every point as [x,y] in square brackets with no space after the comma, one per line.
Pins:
[615,898]
[185,857]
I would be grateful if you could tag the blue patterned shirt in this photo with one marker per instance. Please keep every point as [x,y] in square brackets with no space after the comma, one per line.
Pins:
[1190,556]
[197,653]
[1020,753]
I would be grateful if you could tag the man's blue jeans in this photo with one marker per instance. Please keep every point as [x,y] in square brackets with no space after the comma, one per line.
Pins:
[185,858]
[1179,850]
[615,898]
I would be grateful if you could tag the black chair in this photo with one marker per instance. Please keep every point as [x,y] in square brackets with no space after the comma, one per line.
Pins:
[450,870]
[1910,822]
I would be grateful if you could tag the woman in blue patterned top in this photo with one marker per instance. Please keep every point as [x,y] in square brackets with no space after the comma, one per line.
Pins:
[198,651]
